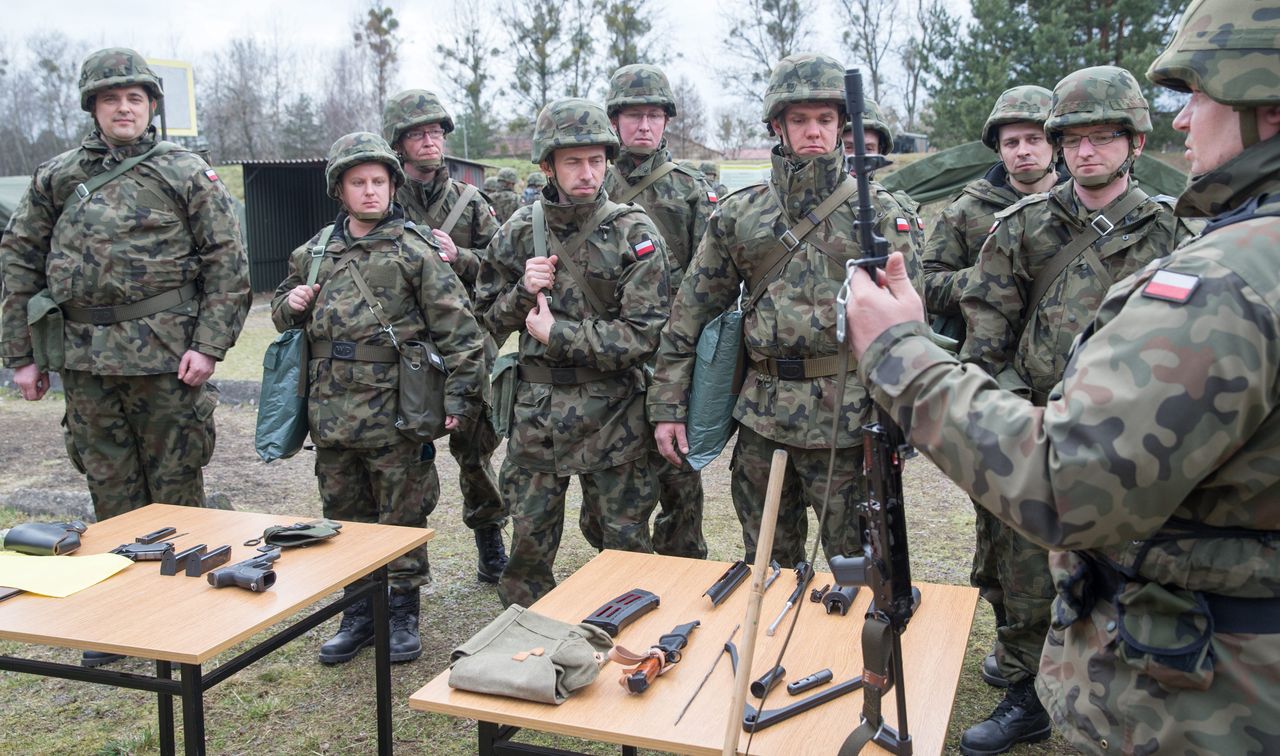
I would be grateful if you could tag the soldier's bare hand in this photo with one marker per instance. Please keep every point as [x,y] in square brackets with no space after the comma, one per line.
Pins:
[874,307]
[31,381]
[452,423]
[540,273]
[301,297]
[448,250]
[195,368]
[673,444]
[539,320]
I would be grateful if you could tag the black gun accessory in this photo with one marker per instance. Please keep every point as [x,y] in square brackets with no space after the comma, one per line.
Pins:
[812,681]
[840,599]
[623,610]
[729,581]
[199,564]
[638,678]
[156,535]
[804,576]
[764,683]
[754,720]
[884,565]
[253,574]
[816,594]
[144,552]
[707,676]
[174,562]
[775,571]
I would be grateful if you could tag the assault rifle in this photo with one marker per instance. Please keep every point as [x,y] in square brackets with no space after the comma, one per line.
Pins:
[884,566]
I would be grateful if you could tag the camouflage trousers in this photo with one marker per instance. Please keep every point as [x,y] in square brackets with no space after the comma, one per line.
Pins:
[138,439]
[621,498]
[389,485]
[804,487]
[984,575]
[473,448]
[1027,586]
[677,530]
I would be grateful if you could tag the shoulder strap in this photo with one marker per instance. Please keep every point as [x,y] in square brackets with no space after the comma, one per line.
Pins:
[789,241]
[317,254]
[634,190]
[459,208]
[96,182]
[565,251]
[1100,225]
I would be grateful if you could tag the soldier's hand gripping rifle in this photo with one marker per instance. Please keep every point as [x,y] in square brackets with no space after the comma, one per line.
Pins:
[883,566]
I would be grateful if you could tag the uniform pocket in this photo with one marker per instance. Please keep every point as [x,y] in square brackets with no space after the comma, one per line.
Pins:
[72,452]
[1167,634]
[206,403]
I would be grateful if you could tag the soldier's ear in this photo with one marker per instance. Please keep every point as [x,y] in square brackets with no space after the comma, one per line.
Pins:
[1139,141]
[1268,121]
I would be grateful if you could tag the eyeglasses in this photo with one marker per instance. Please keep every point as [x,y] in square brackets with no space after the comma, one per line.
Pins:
[1099,139]
[417,135]
[643,115]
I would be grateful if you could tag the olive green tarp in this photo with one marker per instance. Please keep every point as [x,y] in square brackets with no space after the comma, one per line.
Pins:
[11,190]
[942,175]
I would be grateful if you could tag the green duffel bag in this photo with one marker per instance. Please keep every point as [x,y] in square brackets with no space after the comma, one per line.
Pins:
[717,377]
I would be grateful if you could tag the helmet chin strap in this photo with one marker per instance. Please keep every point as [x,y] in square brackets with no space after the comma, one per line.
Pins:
[429,164]
[1248,125]
[1031,177]
[1098,182]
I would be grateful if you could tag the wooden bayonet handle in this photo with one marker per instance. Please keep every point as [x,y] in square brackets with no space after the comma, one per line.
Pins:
[637,679]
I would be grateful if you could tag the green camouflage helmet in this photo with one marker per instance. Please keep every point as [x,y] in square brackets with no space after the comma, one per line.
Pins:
[1102,94]
[412,107]
[873,120]
[356,148]
[536,180]
[491,184]
[804,77]
[1228,49]
[1027,103]
[572,122]
[710,170]
[115,67]
[508,177]
[639,84]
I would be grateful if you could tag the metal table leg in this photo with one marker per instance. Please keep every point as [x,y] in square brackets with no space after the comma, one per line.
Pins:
[382,659]
[164,704]
[192,710]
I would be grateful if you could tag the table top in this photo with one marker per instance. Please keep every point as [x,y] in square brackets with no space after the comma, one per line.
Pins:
[183,619]
[933,649]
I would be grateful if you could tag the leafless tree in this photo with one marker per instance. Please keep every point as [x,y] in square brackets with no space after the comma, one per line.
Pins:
[735,130]
[467,61]
[761,32]
[690,123]
[869,30]
[536,35]
[931,40]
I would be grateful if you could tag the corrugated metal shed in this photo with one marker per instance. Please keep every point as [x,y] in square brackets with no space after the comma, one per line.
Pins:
[286,204]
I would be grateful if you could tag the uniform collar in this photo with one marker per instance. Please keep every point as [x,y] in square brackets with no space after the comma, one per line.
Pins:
[562,215]
[633,165]
[803,183]
[1229,186]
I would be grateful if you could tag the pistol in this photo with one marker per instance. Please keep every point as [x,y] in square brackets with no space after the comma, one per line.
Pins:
[253,574]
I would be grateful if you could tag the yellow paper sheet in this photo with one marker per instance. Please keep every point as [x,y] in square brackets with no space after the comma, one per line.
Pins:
[57,576]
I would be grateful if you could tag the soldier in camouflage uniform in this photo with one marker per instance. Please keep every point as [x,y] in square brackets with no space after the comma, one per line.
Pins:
[504,198]
[416,125]
[1149,470]
[367,470]
[878,140]
[491,186]
[153,284]
[1015,132]
[1098,119]
[640,104]
[790,386]
[533,184]
[712,173]
[589,308]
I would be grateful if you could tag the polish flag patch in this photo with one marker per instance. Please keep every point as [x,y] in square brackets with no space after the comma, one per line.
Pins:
[993,228]
[711,197]
[903,225]
[211,175]
[1171,286]
[493,212]
[919,223]
[643,248]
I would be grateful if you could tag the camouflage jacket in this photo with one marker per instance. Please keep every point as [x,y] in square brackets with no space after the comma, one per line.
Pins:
[958,233]
[794,318]
[1022,243]
[571,429]
[428,204]
[353,404]
[680,203]
[505,201]
[165,223]
[1163,429]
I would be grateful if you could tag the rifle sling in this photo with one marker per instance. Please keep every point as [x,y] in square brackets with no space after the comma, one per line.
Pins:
[541,236]
[1082,243]
[94,183]
[458,209]
[632,191]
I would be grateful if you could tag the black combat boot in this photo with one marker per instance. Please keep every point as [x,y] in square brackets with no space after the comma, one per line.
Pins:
[1019,718]
[493,555]
[991,673]
[354,633]
[405,645]
[98,658]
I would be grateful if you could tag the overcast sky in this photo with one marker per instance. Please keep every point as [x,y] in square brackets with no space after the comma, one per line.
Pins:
[192,31]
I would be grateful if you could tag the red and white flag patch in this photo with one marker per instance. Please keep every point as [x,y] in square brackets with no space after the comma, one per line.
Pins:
[211,175]
[643,248]
[711,197]
[919,223]
[1171,286]
[903,225]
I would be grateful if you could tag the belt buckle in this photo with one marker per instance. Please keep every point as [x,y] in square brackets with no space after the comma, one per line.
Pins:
[790,370]
[99,315]
[563,376]
[343,350]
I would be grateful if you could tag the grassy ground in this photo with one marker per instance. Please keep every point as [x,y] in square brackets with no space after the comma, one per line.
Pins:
[288,703]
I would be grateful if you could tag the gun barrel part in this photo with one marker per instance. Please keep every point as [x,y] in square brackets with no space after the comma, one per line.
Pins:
[765,682]
[156,535]
[806,683]
[778,620]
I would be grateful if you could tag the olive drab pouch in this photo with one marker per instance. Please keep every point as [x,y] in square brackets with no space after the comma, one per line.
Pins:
[1166,633]
[420,414]
[44,321]
[504,377]
[525,655]
[298,534]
